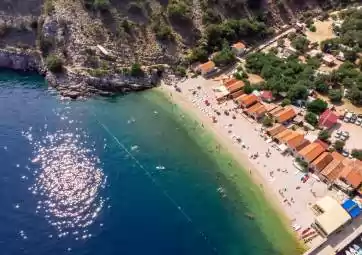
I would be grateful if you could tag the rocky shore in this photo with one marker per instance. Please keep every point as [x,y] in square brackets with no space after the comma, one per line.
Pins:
[75,84]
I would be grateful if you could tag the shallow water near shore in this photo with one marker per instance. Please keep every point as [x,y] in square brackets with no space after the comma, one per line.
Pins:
[122,175]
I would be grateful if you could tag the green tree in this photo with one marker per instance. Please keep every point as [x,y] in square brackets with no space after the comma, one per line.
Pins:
[324,135]
[350,55]
[286,101]
[317,106]
[297,92]
[300,43]
[335,95]
[54,63]
[225,57]
[268,121]
[311,118]
[339,145]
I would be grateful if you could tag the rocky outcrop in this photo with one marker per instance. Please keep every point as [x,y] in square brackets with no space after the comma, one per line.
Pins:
[71,84]
[21,61]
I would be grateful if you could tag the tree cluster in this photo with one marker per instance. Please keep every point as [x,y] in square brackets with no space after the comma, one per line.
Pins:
[281,75]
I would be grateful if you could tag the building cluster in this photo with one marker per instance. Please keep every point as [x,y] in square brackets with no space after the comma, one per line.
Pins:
[208,68]
[331,167]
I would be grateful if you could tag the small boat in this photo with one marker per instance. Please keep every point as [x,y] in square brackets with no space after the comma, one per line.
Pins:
[348,253]
[159,167]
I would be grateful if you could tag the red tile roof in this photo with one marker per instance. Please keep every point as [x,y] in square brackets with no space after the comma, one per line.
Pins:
[322,161]
[328,119]
[248,100]
[267,95]
[239,46]
[207,67]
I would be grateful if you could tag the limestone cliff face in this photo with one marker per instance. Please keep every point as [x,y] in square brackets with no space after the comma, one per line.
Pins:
[22,61]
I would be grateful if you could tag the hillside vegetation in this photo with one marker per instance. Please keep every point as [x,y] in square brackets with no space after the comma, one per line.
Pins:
[148,32]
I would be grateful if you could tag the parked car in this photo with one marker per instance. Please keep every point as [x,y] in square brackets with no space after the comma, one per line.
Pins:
[353,118]
[337,135]
[343,138]
[345,133]
[358,121]
[345,153]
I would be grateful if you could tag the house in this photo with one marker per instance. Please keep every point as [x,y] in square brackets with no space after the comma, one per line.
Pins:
[330,216]
[285,115]
[236,94]
[340,56]
[238,48]
[311,152]
[247,100]
[279,137]
[229,82]
[235,86]
[351,174]
[256,111]
[323,144]
[273,112]
[288,51]
[270,107]
[267,96]
[328,119]
[206,68]
[321,161]
[272,131]
[295,149]
[328,60]
[293,140]
[332,171]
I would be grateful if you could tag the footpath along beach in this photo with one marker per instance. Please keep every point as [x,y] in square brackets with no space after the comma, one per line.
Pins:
[275,173]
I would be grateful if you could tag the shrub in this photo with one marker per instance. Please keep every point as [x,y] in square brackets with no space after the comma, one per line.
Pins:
[136,70]
[179,10]
[98,72]
[102,5]
[312,28]
[45,44]
[324,135]
[54,63]
[300,43]
[181,71]
[357,154]
[339,145]
[311,118]
[163,32]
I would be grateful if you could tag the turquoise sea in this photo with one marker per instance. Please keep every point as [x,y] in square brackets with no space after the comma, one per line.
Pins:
[124,175]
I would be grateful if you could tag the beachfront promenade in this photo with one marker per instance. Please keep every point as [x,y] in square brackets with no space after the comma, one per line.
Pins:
[280,178]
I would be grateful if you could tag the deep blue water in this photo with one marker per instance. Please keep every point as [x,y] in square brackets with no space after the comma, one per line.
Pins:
[87,177]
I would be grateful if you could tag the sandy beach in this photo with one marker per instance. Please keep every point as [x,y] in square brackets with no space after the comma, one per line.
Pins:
[276,175]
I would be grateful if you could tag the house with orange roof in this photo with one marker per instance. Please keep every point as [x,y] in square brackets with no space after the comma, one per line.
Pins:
[311,152]
[337,155]
[332,171]
[286,115]
[293,140]
[228,82]
[238,48]
[235,86]
[321,161]
[275,111]
[352,177]
[256,111]
[299,147]
[279,137]
[248,100]
[272,131]
[206,68]
[236,94]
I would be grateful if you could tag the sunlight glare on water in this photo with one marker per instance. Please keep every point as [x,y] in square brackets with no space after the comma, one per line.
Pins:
[68,181]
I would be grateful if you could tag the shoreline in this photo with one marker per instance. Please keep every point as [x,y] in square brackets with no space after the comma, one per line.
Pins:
[243,164]
[229,147]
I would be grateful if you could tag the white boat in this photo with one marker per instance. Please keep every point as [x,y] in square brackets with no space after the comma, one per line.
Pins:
[348,253]
[160,167]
